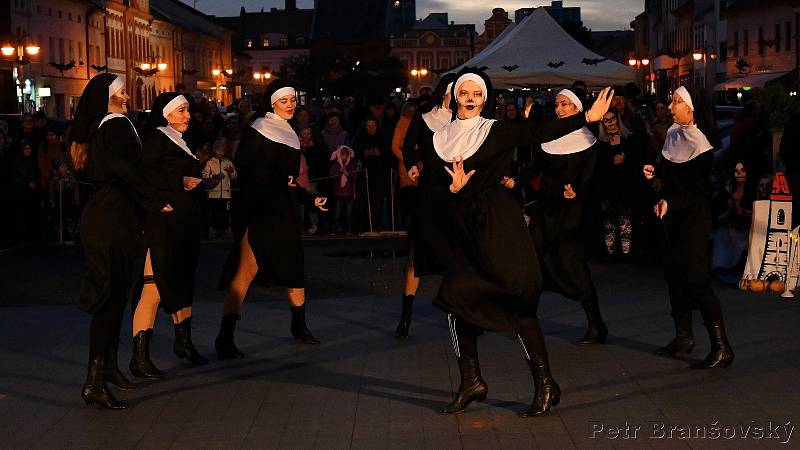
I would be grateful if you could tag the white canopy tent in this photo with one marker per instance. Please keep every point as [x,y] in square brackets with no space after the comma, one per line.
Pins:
[538,51]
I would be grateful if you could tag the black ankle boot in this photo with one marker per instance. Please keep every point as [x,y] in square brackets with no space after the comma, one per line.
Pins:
[299,328]
[183,347]
[597,332]
[112,373]
[547,392]
[95,390]
[684,337]
[224,344]
[721,354]
[472,386]
[405,317]
[141,366]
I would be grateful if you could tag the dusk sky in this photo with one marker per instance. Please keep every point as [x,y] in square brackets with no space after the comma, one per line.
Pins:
[597,14]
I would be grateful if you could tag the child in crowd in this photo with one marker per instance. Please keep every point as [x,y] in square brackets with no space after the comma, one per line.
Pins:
[344,188]
[220,172]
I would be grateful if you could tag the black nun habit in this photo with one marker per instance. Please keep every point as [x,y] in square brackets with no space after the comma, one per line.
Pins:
[492,279]
[685,174]
[558,221]
[111,229]
[173,239]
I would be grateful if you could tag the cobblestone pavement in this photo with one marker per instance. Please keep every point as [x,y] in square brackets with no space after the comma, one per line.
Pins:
[363,389]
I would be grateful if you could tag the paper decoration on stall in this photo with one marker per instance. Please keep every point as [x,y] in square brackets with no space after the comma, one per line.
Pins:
[768,253]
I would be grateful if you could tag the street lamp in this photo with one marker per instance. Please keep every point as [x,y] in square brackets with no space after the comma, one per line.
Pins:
[639,64]
[20,51]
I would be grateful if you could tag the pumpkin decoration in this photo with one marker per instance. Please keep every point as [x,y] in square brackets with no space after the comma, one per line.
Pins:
[777,286]
[758,285]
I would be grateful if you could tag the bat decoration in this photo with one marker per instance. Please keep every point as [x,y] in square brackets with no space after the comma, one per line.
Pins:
[146,73]
[555,65]
[593,62]
[62,67]
[99,68]
[189,71]
[511,68]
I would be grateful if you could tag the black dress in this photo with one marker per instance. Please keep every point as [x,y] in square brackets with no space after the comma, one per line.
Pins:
[686,233]
[430,245]
[267,210]
[113,219]
[173,239]
[558,223]
[492,275]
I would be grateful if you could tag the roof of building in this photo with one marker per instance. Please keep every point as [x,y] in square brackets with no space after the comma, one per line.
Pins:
[253,25]
[185,16]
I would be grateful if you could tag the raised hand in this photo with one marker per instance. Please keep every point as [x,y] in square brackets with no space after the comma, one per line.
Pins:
[569,194]
[600,106]
[460,179]
[167,208]
[508,183]
[320,202]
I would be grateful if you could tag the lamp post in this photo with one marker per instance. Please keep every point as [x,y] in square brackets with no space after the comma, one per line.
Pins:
[218,73]
[19,54]
[704,54]
[419,73]
[641,65]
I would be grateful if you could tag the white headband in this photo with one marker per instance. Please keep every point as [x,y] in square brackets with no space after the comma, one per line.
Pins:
[475,78]
[573,98]
[685,96]
[174,104]
[115,86]
[449,87]
[282,92]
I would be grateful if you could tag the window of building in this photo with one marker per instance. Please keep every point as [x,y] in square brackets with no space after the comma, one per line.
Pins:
[51,49]
[71,51]
[788,46]
[50,12]
[284,42]
[301,42]
[723,51]
[264,42]
[61,50]
[760,40]
[69,16]
[59,13]
[735,44]
[79,18]
[248,43]
[778,42]
[80,52]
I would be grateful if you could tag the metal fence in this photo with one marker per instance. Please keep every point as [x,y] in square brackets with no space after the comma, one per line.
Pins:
[66,213]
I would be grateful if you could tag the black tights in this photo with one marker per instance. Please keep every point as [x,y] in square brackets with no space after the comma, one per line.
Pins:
[105,328]
[464,337]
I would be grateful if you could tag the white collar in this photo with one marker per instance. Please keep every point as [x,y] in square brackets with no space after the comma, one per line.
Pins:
[114,116]
[277,129]
[684,143]
[176,137]
[461,138]
[577,141]
[437,118]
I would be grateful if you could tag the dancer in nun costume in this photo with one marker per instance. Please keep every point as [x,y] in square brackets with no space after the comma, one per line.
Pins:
[419,141]
[492,279]
[107,146]
[172,240]
[267,228]
[684,206]
[567,165]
